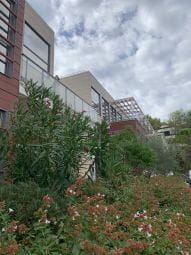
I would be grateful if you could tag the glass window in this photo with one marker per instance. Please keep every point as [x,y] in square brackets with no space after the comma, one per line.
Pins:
[95,100]
[7,3]
[3,48]
[4,11]
[2,65]
[70,99]
[2,118]
[48,81]
[61,91]
[34,58]
[105,109]
[4,29]
[36,44]
[7,19]
[5,66]
[34,73]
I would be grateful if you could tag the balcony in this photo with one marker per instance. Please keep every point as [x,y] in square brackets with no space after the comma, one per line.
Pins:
[29,71]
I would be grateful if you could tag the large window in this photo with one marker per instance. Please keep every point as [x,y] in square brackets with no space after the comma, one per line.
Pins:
[7,35]
[96,101]
[36,48]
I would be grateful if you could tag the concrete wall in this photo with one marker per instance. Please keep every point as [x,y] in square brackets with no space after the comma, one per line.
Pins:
[41,27]
[82,83]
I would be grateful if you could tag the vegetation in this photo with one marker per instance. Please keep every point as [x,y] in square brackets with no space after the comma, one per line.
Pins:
[46,209]
[155,122]
[119,216]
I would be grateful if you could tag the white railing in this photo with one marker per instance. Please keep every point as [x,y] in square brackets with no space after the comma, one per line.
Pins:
[31,71]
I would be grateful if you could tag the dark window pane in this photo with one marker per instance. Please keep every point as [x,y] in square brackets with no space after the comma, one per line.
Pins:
[95,100]
[105,109]
[36,44]
[2,118]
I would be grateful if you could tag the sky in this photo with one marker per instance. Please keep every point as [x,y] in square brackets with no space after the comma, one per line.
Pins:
[139,48]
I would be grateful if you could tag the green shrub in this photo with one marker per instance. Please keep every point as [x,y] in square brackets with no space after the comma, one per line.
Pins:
[46,145]
[128,151]
[26,198]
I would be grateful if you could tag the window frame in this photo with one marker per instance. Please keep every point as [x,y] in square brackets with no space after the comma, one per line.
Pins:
[34,53]
[3,118]
[105,109]
[7,35]
[97,109]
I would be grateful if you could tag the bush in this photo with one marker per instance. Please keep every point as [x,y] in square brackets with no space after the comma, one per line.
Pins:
[45,144]
[26,198]
[128,151]
[111,217]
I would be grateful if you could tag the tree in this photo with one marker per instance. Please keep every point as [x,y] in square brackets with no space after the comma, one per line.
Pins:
[177,120]
[167,155]
[155,122]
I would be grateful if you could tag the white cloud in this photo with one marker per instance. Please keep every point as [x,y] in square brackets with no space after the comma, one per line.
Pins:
[137,48]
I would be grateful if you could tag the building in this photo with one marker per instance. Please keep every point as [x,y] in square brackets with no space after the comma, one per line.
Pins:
[11,38]
[26,45]
[119,113]
[27,52]
[166,132]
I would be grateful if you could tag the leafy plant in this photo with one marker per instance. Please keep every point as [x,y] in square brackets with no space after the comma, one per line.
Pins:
[46,144]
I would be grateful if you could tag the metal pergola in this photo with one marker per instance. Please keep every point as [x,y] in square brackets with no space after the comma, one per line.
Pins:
[130,110]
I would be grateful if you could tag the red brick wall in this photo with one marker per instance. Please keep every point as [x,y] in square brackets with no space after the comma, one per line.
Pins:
[9,87]
[117,127]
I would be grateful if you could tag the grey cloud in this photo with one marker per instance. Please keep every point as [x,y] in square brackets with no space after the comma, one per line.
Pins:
[135,48]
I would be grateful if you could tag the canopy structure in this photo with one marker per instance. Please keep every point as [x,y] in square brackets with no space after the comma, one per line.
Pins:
[130,110]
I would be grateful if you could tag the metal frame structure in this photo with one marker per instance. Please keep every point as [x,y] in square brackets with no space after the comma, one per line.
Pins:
[130,110]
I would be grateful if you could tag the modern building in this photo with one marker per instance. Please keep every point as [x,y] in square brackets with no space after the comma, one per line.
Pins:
[119,113]
[166,132]
[27,52]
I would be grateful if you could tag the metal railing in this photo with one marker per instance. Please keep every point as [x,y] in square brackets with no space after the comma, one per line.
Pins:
[29,71]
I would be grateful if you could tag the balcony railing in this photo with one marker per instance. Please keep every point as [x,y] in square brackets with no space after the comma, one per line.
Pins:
[29,71]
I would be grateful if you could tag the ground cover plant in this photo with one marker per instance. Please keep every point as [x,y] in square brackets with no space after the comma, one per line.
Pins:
[120,216]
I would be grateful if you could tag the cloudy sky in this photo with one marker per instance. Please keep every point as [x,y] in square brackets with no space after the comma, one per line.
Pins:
[139,48]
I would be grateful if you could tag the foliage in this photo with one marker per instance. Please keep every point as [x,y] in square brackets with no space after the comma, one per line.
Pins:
[128,150]
[116,217]
[156,123]
[26,198]
[45,144]
[167,155]
[99,147]
[179,119]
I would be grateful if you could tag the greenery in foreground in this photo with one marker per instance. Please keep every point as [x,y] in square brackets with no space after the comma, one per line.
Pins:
[45,209]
